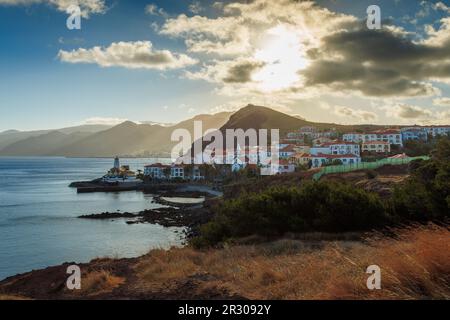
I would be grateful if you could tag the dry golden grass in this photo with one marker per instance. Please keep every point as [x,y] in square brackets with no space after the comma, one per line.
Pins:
[414,265]
[4,297]
[99,282]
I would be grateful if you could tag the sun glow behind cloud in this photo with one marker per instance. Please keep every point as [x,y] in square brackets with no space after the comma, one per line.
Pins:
[283,55]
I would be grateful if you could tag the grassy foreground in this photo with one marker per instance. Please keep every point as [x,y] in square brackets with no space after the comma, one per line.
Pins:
[414,265]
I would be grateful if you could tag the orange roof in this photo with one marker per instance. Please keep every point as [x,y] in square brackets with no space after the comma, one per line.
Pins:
[288,148]
[302,155]
[337,142]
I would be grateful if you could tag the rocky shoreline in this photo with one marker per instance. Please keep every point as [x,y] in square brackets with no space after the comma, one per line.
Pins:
[189,216]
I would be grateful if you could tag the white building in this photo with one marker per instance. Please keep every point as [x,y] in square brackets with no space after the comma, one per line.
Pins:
[353,137]
[323,159]
[177,171]
[319,149]
[393,136]
[376,146]
[337,147]
[283,166]
[438,130]
[155,171]
[414,133]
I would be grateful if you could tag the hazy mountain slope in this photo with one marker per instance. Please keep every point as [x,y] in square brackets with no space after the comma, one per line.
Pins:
[41,145]
[10,137]
[215,121]
[131,139]
[122,139]
[134,139]
[88,128]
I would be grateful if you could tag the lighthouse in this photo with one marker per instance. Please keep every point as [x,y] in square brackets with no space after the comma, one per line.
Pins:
[116,163]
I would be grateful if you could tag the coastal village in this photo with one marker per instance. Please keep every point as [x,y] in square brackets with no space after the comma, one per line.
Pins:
[307,148]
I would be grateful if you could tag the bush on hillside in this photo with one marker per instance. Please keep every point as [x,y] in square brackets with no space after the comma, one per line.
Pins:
[426,194]
[316,206]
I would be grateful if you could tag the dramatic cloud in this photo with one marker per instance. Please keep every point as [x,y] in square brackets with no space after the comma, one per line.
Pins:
[359,115]
[87,6]
[221,36]
[378,63]
[238,71]
[133,55]
[442,102]
[405,111]
[306,48]
[242,25]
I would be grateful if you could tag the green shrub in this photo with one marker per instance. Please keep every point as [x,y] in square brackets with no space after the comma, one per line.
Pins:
[316,206]
[425,195]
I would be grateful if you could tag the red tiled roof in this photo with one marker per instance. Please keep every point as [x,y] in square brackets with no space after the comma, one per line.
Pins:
[283,162]
[302,155]
[326,144]
[288,148]
[156,165]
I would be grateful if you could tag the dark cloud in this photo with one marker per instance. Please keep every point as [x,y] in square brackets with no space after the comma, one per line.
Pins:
[377,63]
[411,112]
[242,72]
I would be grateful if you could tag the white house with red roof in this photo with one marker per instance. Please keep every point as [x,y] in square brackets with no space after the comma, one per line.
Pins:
[155,170]
[287,151]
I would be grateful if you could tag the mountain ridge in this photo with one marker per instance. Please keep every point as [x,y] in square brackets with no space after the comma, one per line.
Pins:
[150,139]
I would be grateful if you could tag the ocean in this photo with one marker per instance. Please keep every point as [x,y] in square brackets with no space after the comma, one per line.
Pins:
[38,215]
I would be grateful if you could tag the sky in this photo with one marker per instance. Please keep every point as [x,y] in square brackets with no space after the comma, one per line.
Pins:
[168,60]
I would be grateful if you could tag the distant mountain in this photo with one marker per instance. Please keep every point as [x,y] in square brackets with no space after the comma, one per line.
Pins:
[89,128]
[258,117]
[133,139]
[147,139]
[10,137]
[42,145]
[9,132]
[126,138]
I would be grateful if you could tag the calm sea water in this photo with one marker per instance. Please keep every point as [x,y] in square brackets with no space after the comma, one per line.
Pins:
[38,224]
